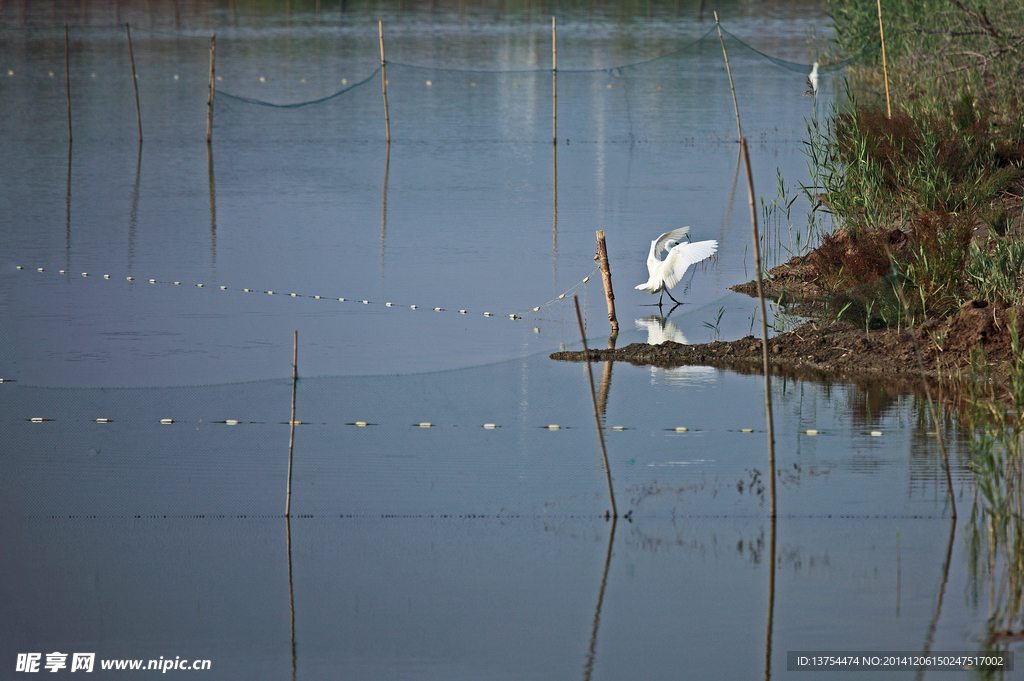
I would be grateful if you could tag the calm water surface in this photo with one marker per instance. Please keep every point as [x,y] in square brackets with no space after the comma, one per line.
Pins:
[456,551]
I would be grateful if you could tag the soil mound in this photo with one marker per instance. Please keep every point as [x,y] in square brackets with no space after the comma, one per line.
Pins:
[842,350]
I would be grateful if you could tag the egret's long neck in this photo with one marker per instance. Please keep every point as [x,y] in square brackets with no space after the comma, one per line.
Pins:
[653,255]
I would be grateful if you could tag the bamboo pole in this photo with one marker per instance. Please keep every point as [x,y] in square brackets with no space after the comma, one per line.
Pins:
[764,325]
[67,76]
[597,417]
[209,100]
[554,81]
[135,79]
[606,277]
[384,82]
[291,438]
[885,69]
[728,69]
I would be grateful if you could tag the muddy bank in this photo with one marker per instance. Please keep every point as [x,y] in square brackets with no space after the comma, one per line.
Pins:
[822,351]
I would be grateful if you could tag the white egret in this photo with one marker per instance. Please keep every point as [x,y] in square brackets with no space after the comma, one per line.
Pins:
[812,81]
[664,274]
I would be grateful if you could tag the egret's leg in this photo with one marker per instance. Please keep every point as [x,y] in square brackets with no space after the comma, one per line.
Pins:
[670,296]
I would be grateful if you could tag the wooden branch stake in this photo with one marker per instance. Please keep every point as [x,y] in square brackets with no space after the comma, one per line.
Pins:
[135,79]
[739,133]
[764,326]
[606,277]
[597,416]
[384,82]
[209,100]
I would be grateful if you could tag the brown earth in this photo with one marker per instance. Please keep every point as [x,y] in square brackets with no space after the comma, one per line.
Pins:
[845,350]
[842,351]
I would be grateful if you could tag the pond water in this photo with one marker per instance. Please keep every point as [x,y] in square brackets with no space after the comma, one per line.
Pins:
[150,294]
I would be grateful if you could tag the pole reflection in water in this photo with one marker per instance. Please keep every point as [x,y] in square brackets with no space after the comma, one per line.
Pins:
[588,668]
[288,502]
[133,215]
[384,208]
[213,205]
[929,638]
[771,603]
[67,218]
[291,422]
[291,592]
[554,212]
[606,383]
[597,413]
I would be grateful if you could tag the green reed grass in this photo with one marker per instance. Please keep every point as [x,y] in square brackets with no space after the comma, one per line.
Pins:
[949,158]
[997,274]
[996,527]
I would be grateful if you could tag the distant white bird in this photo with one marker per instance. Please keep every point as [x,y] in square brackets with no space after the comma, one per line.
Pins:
[812,81]
[664,274]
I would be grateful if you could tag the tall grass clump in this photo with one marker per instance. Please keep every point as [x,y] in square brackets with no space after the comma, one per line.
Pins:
[949,159]
[997,274]
[937,50]
[996,528]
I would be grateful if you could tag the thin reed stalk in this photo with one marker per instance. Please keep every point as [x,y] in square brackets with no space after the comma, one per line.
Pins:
[67,76]
[291,437]
[209,100]
[597,415]
[764,326]
[384,82]
[728,69]
[554,84]
[885,68]
[135,79]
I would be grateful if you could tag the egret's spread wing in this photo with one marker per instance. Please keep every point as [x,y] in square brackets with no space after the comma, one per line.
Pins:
[682,256]
[667,240]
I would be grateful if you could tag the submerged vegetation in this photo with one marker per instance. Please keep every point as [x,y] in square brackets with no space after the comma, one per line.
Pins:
[931,192]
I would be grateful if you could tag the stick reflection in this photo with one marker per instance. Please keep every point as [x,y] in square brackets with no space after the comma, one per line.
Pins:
[384,209]
[588,668]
